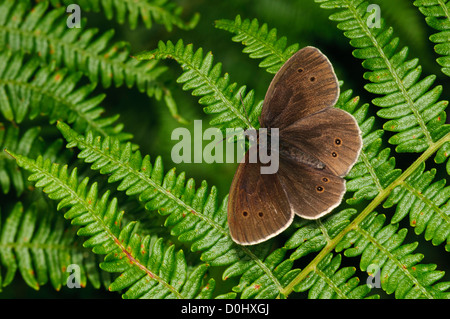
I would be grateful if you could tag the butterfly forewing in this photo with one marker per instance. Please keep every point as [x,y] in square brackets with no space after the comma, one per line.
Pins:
[257,205]
[305,84]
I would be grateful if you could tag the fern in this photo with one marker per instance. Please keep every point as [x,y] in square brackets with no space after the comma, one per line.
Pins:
[259,278]
[400,271]
[160,11]
[220,97]
[28,89]
[47,35]
[262,279]
[374,174]
[374,164]
[407,101]
[437,17]
[260,42]
[41,247]
[28,143]
[150,268]
[78,49]
[426,203]
[10,137]
[381,246]
[320,287]
[308,239]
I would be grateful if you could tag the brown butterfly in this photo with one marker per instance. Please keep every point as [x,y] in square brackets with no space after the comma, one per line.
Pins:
[318,145]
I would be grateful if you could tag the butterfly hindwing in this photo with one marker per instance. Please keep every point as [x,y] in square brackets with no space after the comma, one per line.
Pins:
[311,192]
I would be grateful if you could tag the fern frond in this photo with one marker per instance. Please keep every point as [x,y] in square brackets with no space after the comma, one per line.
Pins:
[329,281]
[41,247]
[427,202]
[260,42]
[408,102]
[194,217]
[219,96]
[11,138]
[47,35]
[79,49]
[149,268]
[162,12]
[30,90]
[437,16]
[401,272]
[313,236]
[308,239]
[382,246]
[331,243]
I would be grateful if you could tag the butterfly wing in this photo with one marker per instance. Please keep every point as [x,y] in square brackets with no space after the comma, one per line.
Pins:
[312,193]
[258,208]
[305,84]
[335,143]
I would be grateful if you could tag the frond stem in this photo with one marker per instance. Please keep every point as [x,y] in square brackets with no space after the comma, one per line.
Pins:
[444,8]
[371,170]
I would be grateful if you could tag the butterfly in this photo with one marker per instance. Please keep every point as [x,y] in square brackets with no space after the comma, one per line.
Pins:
[318,145]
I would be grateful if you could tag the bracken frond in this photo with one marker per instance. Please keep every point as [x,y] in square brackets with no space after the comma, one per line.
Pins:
[260,42]
[45,33]
[29,90]
[230,105]
[381,246]
[409,103]
[427,202]
[329,280]
[162,12]
[437,16]
[194,215]
[11,138]
[41,246]
[149,268]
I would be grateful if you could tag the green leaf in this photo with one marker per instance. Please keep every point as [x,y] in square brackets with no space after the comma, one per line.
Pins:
[78,49]
[260,42]
[219,96]
[406,98]
[150,268]
[162,12]
[41,246]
